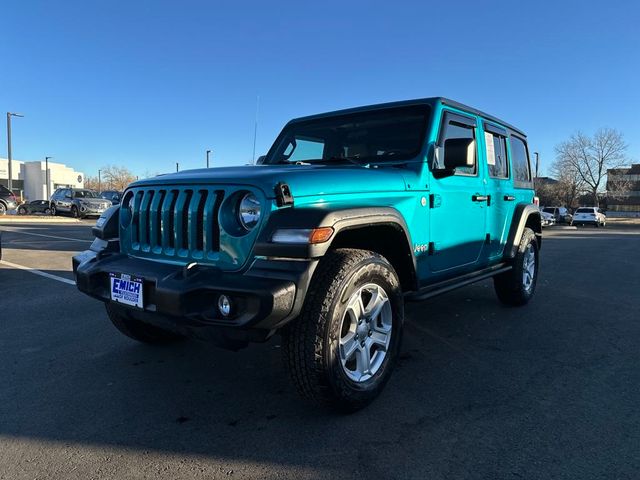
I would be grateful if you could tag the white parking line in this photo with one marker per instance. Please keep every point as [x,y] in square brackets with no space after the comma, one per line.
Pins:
[47,236]
[38,272]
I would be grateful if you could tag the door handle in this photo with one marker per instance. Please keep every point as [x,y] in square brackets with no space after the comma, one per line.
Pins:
[509,198]
[479,198]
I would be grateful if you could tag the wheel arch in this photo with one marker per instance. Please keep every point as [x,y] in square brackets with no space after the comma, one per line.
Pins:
[526,215]
[380,229]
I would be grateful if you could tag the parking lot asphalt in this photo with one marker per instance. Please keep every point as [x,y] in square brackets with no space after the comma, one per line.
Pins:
[550,390]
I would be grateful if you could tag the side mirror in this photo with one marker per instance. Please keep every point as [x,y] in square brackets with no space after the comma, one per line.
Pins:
[459,152]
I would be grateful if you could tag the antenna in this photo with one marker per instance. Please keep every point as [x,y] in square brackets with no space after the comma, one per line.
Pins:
[255,130]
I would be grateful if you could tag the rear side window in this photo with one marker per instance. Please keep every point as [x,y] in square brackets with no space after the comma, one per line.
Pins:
[496,146]
[520,161]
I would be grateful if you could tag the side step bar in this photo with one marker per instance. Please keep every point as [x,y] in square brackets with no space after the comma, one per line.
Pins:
[448,285]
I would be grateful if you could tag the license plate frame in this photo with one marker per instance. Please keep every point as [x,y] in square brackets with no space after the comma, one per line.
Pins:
[127,289]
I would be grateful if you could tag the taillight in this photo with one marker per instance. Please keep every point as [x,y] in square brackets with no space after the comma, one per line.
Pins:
[536,201]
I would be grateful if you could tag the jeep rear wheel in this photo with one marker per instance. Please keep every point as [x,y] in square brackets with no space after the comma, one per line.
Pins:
[137,329]
[516,287]
[3,208]
[341,350]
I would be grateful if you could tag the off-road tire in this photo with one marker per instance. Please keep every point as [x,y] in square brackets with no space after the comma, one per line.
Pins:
[509,286]
[311,342]
[139,330]
[3,209]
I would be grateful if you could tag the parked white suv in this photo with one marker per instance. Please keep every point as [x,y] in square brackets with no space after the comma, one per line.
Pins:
[589,216]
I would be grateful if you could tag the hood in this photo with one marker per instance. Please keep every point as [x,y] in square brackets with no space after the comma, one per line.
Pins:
[303,180]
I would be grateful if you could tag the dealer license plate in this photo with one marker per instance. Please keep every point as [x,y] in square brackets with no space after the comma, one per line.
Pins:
[126,289]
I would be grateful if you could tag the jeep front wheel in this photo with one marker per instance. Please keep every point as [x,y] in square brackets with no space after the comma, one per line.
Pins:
[137,329]
[516,287]
[341,350]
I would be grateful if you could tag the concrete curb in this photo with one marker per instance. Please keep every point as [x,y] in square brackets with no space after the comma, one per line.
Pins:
[18,220]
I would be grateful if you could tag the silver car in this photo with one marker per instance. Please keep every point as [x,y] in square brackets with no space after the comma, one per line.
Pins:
[78,202]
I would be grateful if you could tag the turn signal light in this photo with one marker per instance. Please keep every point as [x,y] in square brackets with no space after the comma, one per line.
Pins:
[320,235]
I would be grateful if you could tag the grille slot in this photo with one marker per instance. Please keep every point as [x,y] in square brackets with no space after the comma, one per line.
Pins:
[178,222]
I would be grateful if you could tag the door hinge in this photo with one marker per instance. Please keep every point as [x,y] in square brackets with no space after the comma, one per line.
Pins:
[487,239]
[431,249]
[434,200]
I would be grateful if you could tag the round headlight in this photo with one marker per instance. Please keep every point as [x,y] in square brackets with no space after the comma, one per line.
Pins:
[249,211]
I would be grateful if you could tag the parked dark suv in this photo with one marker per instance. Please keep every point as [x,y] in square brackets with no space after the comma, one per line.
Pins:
[7,200]
[79,202]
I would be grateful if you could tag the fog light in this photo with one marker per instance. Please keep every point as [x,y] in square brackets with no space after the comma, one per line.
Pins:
[224,305]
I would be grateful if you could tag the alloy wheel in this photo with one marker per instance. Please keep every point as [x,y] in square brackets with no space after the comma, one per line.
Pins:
[365,332]
[529,267]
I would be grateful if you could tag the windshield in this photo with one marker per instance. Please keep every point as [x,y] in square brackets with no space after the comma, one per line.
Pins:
[380,135]
[84,194]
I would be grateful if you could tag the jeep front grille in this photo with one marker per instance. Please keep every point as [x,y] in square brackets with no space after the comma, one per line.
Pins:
[174,221]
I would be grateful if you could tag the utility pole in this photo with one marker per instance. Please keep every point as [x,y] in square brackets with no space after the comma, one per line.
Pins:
[9,115]
[99,182]
[46,175]
[177,167]
[537,162]
[208,152]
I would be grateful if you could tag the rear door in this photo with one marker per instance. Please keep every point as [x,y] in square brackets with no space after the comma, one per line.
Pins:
[502,199]
[458,203]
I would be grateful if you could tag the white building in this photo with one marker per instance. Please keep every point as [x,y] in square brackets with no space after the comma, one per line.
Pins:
[30,178]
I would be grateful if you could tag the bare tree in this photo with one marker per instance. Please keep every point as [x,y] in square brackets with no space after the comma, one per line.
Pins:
[91,183]
[116,178]
[619,183]
[569,184]
[589,158]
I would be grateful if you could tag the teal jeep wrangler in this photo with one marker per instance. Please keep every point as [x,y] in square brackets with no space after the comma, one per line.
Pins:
[349,215]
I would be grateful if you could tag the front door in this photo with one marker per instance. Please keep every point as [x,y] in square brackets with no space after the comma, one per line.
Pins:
[458,204]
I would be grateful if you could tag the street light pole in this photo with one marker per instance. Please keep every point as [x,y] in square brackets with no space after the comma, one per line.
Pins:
[9,115]
[177,167]
[208,152]
[99,182]
[537,162]
[46,175]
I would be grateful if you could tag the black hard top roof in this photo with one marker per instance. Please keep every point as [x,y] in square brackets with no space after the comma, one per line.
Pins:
[431,101]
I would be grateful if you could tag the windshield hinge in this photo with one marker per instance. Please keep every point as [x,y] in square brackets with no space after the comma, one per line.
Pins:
[283,195]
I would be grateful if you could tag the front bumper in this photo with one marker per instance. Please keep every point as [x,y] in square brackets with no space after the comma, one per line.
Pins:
[265,296]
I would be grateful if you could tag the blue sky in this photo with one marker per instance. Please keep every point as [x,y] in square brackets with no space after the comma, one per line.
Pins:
[149,83]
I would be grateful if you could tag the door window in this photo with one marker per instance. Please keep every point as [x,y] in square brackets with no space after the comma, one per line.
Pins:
[496,146]
[454,129]
[520,162]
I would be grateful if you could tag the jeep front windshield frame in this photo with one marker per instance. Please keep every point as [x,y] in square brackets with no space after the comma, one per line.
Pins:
[382,135]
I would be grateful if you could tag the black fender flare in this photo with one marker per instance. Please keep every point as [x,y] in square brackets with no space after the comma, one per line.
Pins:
[524,213]
[339,219]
